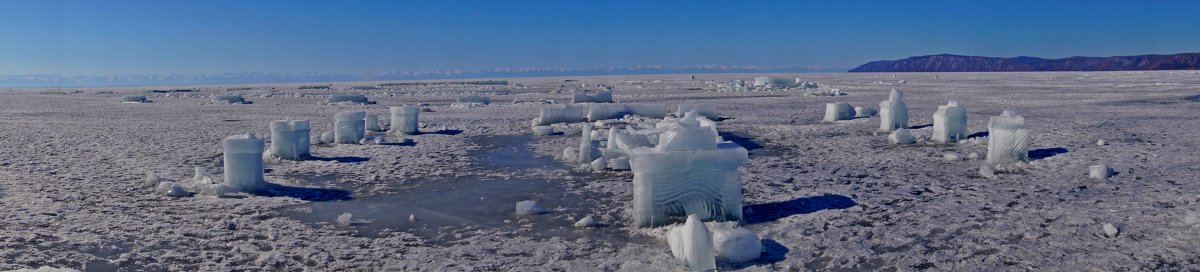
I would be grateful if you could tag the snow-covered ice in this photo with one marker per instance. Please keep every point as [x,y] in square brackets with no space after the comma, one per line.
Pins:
[687,173]
[1101,171]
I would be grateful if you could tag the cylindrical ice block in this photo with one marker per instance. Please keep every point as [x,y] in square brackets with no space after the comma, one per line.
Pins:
[349,127]
[244,163]
[404,119]
[289,139]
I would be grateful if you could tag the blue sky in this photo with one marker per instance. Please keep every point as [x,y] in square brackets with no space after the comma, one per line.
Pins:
[368,37]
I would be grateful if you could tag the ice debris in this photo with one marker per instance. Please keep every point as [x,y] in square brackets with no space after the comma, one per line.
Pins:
[1101,171]
[543,130]
[529,207]
[893,113]
[348,99]
[1110,230]
[692,245]
[735,244]
[601,96]
[587,221]
[901,136]
[987,171]
[708,110]
[344,219]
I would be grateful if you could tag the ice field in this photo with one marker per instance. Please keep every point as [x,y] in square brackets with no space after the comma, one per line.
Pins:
[1111,182]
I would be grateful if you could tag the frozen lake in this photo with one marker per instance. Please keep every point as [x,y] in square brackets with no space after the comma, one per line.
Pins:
[823,196]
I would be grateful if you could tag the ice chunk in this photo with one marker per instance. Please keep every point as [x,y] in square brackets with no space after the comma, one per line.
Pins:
[736,244]
[863,112]
[949,123]
[244,163]
[1100,171]
[1100,142]
[327,137]
[598,112]
[586,222]
[987,171]
[692,245]
[404,119]
[687,135]
[201,176]
[901,136]
[172,188]
[290,139]
[893,113]
[619,163]
[474,99]
[565,114]
[838,111]
[349,127]
[372,121]
[229,99]
[599,164]
[348,99]
[344,219]
[1008,140]
[543,130]
[134,99]
[951,157]
[586,147]
[670,184]
[1110,230]
[708,110]
[528,207]
[603,96]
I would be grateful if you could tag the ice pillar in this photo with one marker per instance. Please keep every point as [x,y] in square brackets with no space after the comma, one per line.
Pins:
[373,122]
[349,127]
[244,163]
[1008,140]
[290,139]
[585,144]
[893,113]
[949,123]
[404,119]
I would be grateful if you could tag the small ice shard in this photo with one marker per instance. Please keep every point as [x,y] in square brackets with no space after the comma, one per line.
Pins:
[528,207]
[543,130]
[587,221]
[987,171]
[1102,171]
[901,136]
[1008,140]
[172,188]
[949,123]
[405,119]
[344,219]
[951,157]
[838,111]
[244,163]
[893,113]
[372,121]
[349,127]
[736,245]
[863,112]
[1110,230]
[1100,142]
[327,137]
[290,139]
[412,217]
[692,245]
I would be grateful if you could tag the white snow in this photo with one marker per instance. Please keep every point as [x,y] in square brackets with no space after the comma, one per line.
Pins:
[893,113]
[692,245]
[405,119]
[1008,140]
[529,207]
[950,123]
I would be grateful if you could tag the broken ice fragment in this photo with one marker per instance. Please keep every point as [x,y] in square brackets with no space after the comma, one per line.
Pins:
[736,244]
[987,171]
[1110,230]
[528,207]
[901,136]
[587,221]
[1100,171]
[838,111]
[344,219]
[172,188]
[692,245]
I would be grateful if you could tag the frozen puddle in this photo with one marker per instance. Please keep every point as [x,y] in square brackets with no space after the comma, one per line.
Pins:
[457,208]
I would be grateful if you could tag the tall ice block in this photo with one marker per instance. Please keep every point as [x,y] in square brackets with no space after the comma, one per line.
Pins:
[684,175]
[290,139]
[950,123]
[372,121]
[585,145]
[404,119]
[893,113]
[244,163]
[1008,140]
[349,127]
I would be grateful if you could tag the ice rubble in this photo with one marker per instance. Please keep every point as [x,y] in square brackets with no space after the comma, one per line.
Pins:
[1101,171]
[528,207]
[893,113]
[602,96]
[244,163]
[708,110]
[565,114]
[348,99]
[134,99]
[289,139]
[1008,140]
[949,123]
[838,111]
[688,171]
[692,245]
[229,99]
[901,137]
[372,122]
[349,127]
[404,119]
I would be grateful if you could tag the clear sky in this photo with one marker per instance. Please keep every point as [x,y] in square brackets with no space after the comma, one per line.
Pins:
[366,37]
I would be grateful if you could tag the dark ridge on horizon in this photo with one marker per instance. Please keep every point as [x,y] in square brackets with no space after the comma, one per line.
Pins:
[958,63]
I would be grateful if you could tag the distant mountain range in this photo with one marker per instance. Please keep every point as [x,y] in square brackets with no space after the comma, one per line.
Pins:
[58,81]
[956,63]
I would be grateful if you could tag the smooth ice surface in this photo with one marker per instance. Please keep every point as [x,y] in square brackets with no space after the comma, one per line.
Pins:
[404,119]
[349,127]
[893,113]
[1008,140]
[244,163]
[372,122]
[901,136]
[290,139]
[708,110]
[735,244]
[564,114]
[838,111]
[949,123]
[692,245]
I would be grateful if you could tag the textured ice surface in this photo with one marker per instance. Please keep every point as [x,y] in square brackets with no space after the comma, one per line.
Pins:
[404,119]
[893,113]
[349,127]
[290,139]
[901,136]
[687,173]
[603,96]
[564,114]
[949,123]
[735,244]
[372,122]
[1008,140]
[838,111]
[708,110]
[347,99]
[244,163]
[692,245]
